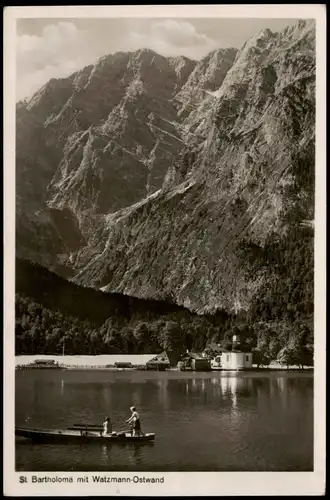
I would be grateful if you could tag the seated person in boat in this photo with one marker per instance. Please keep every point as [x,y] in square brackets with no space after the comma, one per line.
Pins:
[134,420]
[107,426]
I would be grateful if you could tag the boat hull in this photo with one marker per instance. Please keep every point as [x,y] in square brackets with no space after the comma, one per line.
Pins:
[67,436]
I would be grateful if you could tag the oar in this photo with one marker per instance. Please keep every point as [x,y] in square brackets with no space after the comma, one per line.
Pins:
[89,426]
[127,430]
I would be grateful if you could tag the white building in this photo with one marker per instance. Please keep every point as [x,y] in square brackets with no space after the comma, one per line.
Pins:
[234,359]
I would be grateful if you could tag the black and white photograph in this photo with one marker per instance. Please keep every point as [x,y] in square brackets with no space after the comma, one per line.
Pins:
[164,268]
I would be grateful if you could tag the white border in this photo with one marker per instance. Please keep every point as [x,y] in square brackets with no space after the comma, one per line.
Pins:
[181,484]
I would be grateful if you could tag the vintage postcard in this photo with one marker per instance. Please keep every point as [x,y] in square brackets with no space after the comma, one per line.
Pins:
[164,237]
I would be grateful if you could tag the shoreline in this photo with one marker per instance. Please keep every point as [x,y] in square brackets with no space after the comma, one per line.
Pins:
[134,369]
[136,362]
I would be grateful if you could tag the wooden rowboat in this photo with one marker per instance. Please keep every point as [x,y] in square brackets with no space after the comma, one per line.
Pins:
[81,434]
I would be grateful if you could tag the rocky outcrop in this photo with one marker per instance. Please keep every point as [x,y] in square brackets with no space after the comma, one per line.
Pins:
[93,143]
[235,188]
[206,78]
[165,196]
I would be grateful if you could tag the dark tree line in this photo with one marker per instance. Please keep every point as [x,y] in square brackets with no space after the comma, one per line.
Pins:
[52,312]
[40,330]
[281,316]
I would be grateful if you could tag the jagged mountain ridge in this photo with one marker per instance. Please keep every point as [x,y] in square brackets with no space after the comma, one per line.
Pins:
[207,76]
[97,141]
[235,189]
[232,179]
[94,142]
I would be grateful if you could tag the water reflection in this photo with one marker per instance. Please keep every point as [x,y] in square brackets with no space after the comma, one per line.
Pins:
[137,454]
[134,454]
[232,386]
[281,383]
[163,394]
[216,421]
[281,390]
[195,386]
[107,396]
[106,451]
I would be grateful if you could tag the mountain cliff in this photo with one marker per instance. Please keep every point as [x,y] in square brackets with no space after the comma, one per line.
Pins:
[165,178]
[93,143]
[247,176]
[206,77]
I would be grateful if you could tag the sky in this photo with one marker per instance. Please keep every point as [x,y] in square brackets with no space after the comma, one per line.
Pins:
[55,48]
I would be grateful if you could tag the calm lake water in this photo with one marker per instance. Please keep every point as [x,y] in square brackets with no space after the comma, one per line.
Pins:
[216,421]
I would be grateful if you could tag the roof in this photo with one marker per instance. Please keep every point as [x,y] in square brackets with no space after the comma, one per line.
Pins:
[49,361]
[161,358]
[167,357]
[213,345]
[237,351]
[194,355]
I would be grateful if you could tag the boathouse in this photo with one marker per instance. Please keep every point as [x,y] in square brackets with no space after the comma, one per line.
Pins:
[123,364]
[44,363]
[160,362]
[194,361]
[164,360]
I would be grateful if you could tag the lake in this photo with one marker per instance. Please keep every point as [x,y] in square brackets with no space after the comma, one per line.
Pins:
[212,421]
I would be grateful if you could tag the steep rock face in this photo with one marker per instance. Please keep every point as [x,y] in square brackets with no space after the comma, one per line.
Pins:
[240,183]
[183,68]
[159,196]
[206,77]
[46,233]
[265,64]
[97,141]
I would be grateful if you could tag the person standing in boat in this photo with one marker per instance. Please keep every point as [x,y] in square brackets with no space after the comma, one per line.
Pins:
[107,426]
[134,421]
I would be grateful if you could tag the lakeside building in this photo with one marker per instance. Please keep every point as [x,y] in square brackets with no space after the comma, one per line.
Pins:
[183,361]
[232,360]
[123,364]
[44,364]
[160,362]
[194,361]
[164,361]
[234,357]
